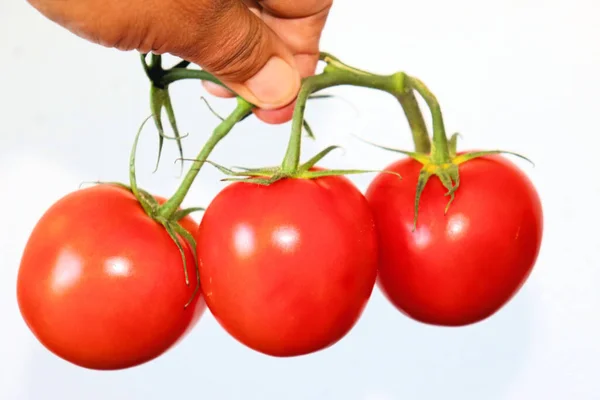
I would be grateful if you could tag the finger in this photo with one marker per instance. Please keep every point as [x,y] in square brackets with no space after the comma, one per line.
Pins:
[278,116]
[238,48]
[299,24]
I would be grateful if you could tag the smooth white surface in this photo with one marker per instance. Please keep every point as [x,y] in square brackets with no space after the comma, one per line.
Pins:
[518,75]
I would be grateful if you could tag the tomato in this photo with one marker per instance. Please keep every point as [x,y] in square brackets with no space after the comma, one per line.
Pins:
[287,269]
[459,268]
[102,285]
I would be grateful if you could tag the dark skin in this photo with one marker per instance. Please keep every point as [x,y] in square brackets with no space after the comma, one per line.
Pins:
[259,49]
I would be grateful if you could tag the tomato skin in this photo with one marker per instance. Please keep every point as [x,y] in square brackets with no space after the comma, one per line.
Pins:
[101,285]
[460,268]
[288,269]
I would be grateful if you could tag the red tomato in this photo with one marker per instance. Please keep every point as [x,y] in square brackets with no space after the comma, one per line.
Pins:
[287,269]
[459,268]
[101,284]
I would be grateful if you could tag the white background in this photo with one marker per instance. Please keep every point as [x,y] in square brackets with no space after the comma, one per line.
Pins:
[519,75]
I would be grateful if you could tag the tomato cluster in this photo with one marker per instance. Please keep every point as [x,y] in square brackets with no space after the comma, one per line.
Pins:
[285,258]
[286,269]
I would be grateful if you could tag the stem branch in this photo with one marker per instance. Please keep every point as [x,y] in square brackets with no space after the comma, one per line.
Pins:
[240,112]
[440,152]
[337,73]
[404,94]
[177,74]
[416,122]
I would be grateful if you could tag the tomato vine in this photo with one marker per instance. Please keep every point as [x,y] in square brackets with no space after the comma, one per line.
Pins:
[439,160]
[382,242]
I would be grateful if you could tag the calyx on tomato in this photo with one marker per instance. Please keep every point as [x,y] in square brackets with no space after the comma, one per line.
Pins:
[269,175]
[443,160]
[167,214]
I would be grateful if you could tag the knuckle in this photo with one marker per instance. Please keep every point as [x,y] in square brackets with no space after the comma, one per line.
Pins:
[236,54]
[230,45]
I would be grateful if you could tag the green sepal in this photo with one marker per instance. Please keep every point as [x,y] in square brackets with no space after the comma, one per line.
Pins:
[339,172]
[420,157]
[452,144]
[308,129]
[244,172]
[146,196]
[180,214]
[257,180]
[192,243]
[424,176]
[320,96]
[160,99]
[259,171]
[132,173]
[450,178]
[315,159]
[477,154]
[171,231]
[231,172]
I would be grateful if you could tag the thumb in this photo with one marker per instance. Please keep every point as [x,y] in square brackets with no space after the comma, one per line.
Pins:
[228,40]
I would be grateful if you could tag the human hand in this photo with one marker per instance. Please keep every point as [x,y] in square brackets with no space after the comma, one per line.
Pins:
[259,49]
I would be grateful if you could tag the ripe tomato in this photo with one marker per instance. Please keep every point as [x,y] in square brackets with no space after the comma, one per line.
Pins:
[102,285]
[287,269]
[459,268]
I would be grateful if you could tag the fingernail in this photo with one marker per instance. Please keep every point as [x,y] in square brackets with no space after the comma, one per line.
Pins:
[276,84]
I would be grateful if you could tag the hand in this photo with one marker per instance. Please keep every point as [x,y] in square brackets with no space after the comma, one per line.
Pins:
[259,49]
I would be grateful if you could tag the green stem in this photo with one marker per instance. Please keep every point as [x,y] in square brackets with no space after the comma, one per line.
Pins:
[291,161]
[176,74]
[406,97]
[416,121]
[440,152]
[337,73]
[172,205]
